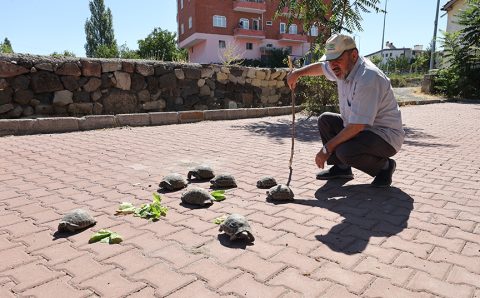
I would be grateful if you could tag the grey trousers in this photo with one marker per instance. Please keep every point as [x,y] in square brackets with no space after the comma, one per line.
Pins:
[366,152]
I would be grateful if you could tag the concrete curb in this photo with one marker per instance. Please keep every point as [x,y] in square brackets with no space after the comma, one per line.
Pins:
[90,122]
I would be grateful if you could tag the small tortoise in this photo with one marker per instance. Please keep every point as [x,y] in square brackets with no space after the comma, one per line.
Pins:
[197,196]
[266,182]
[75,220]
[236,226]
[201,172]
[173,181]
[223,181]
[280,192]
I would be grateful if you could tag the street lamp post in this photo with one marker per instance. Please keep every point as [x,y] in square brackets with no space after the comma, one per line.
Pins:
[384,17]
[434,40]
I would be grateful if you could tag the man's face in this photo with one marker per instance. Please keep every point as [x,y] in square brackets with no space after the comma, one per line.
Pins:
[344,64]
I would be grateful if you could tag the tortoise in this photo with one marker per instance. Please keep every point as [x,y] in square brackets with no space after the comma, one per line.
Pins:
[266,182]
[75,220]
[237,227]
[173,181]
[197,196]
[280,192]
[223,181]
[201,172]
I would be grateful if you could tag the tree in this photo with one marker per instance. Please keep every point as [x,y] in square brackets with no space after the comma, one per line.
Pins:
[328,16]
[6,46]
[160,45]
[126,53]
[99,32]
[64,54]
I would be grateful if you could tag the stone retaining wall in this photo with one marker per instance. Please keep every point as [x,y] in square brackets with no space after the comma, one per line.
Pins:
[39,86]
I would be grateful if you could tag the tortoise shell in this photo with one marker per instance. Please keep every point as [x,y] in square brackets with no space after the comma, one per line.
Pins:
[201,172]
[237,227]
[197,196]
[266,182]
[280,192]
[75,220]
[173,181]
[223,181]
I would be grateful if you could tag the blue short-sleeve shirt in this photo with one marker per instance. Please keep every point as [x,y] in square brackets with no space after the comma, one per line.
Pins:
[366,97]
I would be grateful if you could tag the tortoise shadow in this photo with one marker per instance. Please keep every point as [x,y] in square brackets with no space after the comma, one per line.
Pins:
[64,235]
[367,211]
[224,240]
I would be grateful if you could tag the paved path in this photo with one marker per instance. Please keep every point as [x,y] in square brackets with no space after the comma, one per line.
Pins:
[420,238]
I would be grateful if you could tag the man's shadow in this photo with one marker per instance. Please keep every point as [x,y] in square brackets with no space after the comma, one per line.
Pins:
[367,211]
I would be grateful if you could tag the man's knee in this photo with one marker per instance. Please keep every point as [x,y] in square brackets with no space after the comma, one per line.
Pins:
[345,154]
[325,120]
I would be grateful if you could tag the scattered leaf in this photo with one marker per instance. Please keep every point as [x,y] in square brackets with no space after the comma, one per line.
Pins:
[220,219]
[218,195]
[153,210]
[106,236]
[125,208]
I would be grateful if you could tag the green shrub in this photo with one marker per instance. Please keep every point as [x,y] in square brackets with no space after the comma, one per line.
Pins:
[317,95]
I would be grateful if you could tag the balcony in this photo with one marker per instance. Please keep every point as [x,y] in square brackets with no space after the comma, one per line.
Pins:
[249,33]
[295,38]
[252,6]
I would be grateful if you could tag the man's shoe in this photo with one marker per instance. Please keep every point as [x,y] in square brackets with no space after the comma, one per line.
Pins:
[335,172]
[384,177]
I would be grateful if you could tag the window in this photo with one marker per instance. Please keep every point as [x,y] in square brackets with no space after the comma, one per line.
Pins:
[269,23]
[182,29]
[269,45]
[283,27]
[181,4]
[190,23]
[256,24]
[219,21]
[249,46]
[244,23]
[221,44]
[292,29]
[314,31]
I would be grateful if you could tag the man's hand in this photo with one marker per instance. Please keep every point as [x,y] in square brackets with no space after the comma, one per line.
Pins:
[292,78]
[321,158]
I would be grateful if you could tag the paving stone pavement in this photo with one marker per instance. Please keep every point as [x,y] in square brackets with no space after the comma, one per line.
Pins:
[420,238]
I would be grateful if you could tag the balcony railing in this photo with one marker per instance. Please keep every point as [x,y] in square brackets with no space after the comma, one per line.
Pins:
[287,37]
[252,6]
[249,33]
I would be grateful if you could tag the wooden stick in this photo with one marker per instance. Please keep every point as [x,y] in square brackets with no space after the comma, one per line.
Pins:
[290,65]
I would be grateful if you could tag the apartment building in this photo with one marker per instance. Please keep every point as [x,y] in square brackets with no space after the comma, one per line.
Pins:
[212,29]
[391,52]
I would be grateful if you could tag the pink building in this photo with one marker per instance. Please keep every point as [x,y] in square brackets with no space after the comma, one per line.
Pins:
[213,30]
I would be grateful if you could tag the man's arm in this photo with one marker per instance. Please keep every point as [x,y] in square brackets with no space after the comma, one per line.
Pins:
[314,69]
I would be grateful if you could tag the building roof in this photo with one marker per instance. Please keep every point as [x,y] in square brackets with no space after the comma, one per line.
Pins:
[448,5]
[385,50]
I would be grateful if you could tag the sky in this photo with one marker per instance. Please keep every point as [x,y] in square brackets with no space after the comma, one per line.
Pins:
[45,26]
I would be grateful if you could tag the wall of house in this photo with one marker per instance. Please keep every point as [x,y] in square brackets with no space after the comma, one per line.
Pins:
[35,86]
[452,19]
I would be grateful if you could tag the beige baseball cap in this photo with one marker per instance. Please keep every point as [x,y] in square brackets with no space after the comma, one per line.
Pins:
[336,45]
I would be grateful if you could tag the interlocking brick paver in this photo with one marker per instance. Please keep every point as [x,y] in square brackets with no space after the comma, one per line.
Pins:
[164,279]
[31,275]
[112,284]
[419,238]
[246,286]
[57,288]
[424,282]
[214,274]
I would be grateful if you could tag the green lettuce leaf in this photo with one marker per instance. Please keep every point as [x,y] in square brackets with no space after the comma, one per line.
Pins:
[218,195]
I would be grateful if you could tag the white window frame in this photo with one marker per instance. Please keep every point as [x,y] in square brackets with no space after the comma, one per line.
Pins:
[182,29]
[181,4]
[292,29]
[222,44]
[190,22]
[219,21]
[268,23]
[314,31]
[283,28]
[251,46]
[255,23]
[245,23]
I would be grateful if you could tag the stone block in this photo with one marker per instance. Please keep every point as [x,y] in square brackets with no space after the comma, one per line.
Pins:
[111,66]
[91,69]
[179,74]
[8,69]
[56,125]
[256,112]
[237,114]
[163,118]
[190,116]
[140,119]
[215,114]
[96,122]
[145,69]
[277,111]
[17,126]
